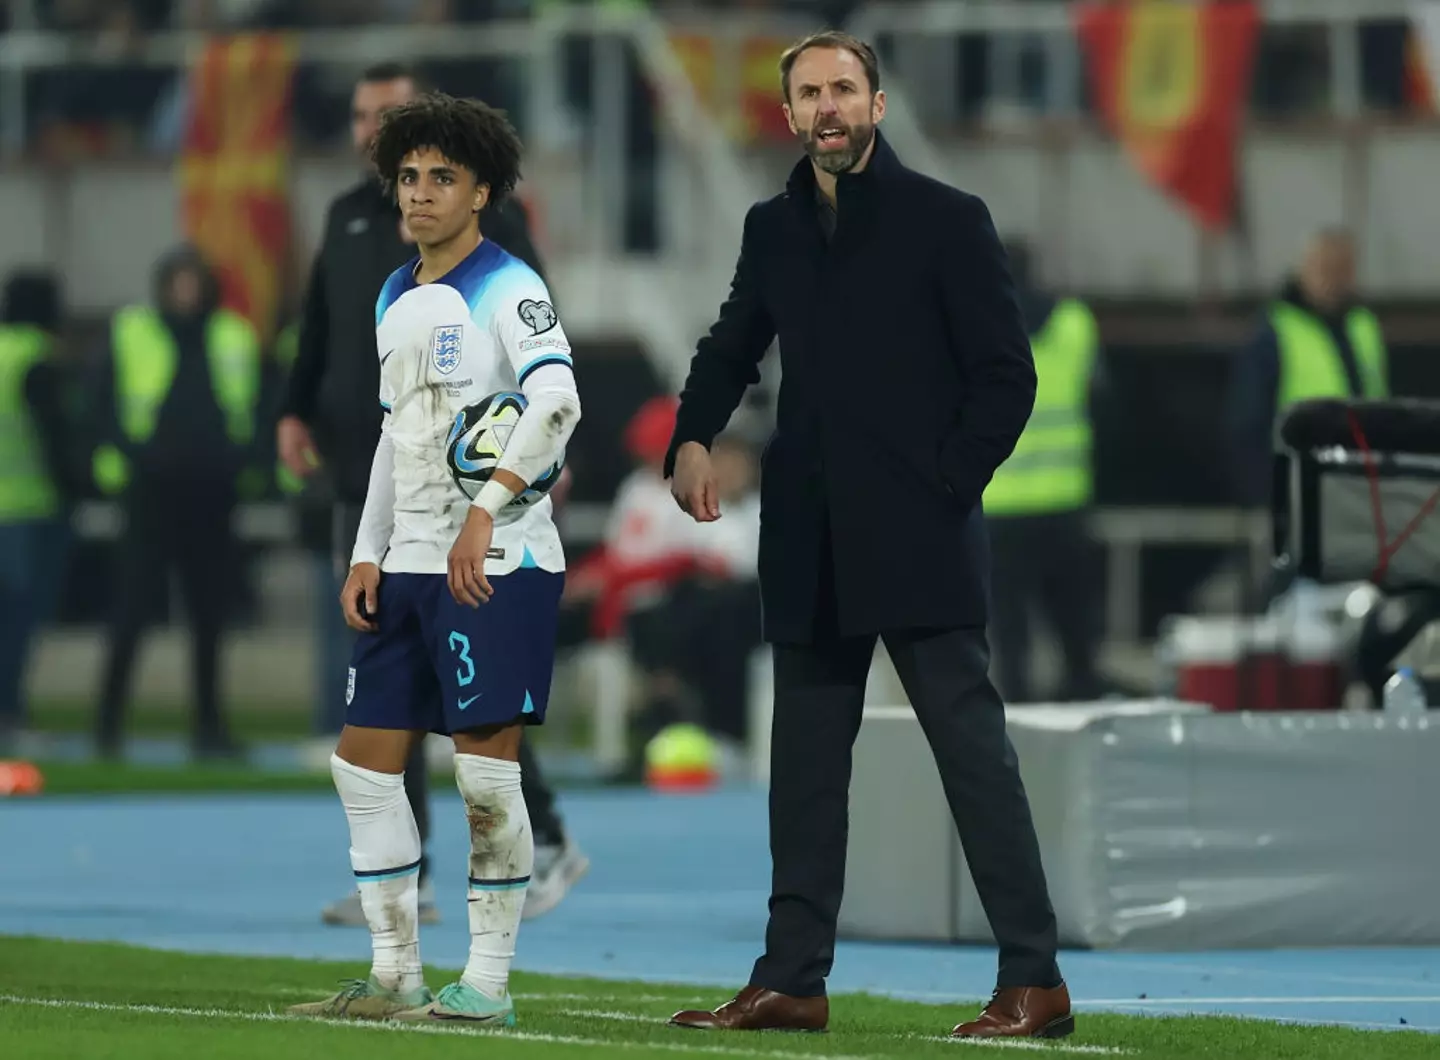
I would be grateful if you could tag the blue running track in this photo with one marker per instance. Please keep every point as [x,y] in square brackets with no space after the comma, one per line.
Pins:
[676,893]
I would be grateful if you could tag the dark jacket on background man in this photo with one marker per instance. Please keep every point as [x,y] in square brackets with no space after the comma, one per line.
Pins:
[1255,398]
[335,384]
[907,378]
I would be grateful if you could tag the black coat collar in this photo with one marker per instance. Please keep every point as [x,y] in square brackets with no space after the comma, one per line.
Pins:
[883,165]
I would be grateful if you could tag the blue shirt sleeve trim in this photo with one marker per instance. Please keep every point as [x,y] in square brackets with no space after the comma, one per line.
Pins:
[542,361]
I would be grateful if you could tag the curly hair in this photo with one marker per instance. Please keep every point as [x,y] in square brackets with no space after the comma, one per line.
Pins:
[467,132]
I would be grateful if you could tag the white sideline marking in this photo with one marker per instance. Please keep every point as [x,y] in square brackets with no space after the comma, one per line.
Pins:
[400,1028]
[1055,1047]
[1027,1044]
[1361,999]
[600,1014]
[641,999]
[522,1036]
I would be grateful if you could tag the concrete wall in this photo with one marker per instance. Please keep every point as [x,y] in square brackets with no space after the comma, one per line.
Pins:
[1101,228]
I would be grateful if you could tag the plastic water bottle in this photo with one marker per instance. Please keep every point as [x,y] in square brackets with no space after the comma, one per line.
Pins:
[1404,694]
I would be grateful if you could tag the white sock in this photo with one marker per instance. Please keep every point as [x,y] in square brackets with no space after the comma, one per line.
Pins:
[385,854]
[502,854]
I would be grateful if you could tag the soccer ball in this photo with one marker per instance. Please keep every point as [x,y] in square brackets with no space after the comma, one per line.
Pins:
[477,440]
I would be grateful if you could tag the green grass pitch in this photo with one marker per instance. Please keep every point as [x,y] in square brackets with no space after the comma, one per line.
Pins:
[89,1001]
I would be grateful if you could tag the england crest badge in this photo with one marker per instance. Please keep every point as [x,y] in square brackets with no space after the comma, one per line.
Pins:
[445,348]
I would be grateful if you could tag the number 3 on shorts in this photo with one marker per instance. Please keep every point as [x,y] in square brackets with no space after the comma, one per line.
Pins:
[460,644]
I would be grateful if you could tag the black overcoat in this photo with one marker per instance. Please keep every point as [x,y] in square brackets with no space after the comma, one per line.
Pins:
[906,379]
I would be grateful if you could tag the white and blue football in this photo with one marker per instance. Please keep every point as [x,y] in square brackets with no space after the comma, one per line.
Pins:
[477,440]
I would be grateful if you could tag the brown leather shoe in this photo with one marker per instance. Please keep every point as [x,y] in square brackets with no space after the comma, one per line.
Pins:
[758,1009]
[1022,1012]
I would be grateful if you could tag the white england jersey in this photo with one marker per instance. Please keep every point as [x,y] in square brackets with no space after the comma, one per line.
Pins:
[487,325]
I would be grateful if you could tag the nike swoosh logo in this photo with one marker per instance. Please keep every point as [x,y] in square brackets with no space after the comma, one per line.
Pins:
[385,358]
[466,702]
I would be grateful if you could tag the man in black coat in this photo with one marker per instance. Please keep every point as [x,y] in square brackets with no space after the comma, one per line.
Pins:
[907,379]
[332,414]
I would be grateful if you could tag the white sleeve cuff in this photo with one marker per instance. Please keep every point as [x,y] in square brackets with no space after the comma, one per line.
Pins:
[493,497]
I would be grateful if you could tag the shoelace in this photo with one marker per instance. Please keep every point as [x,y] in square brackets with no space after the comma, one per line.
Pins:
[351,989]
[450,993]
[354,988]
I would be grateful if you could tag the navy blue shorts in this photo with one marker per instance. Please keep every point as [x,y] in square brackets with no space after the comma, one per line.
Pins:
[438,666]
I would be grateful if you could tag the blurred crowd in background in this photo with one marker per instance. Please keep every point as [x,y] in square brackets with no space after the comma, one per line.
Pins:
[126,105]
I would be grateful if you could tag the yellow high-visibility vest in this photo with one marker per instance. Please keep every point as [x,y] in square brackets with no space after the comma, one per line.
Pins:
[1310,362]
[145,363]
[1050,469]
[26,490]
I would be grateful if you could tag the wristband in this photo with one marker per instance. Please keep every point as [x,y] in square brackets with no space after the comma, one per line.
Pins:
[493,497]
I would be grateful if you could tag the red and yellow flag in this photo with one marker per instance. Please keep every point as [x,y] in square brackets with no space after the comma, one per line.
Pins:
[745,102]
[1422,58]
[1418,82]
[696,53]
[1171,78]
[233,169]
[760,91]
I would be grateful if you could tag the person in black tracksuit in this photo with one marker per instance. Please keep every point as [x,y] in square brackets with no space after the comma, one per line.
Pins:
[331,416]
[39,481]
[178,488]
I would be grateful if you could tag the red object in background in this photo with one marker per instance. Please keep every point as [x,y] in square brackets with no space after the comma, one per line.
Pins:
[647,438]
[1256,664]
[760,99]
[620,582]
[648,434]
[677,781]
[1207,656]
[1171,78]
[235,197]
[20,778]
[1418,82]
[1315,670]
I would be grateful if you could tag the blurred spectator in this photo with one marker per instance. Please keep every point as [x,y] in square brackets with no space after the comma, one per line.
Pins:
[1292,70]
[37,481]
[1315,341]
[685,595]
[1382,63]
[1036,506]
[698,640]
[333,372]
[178,397]
[98,107]
[647,538]
[314,503]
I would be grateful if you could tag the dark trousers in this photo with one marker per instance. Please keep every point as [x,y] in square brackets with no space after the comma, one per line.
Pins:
[32,571]
[182,527]
[1046,564]
[703,632]
[819,698]
[545,823]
